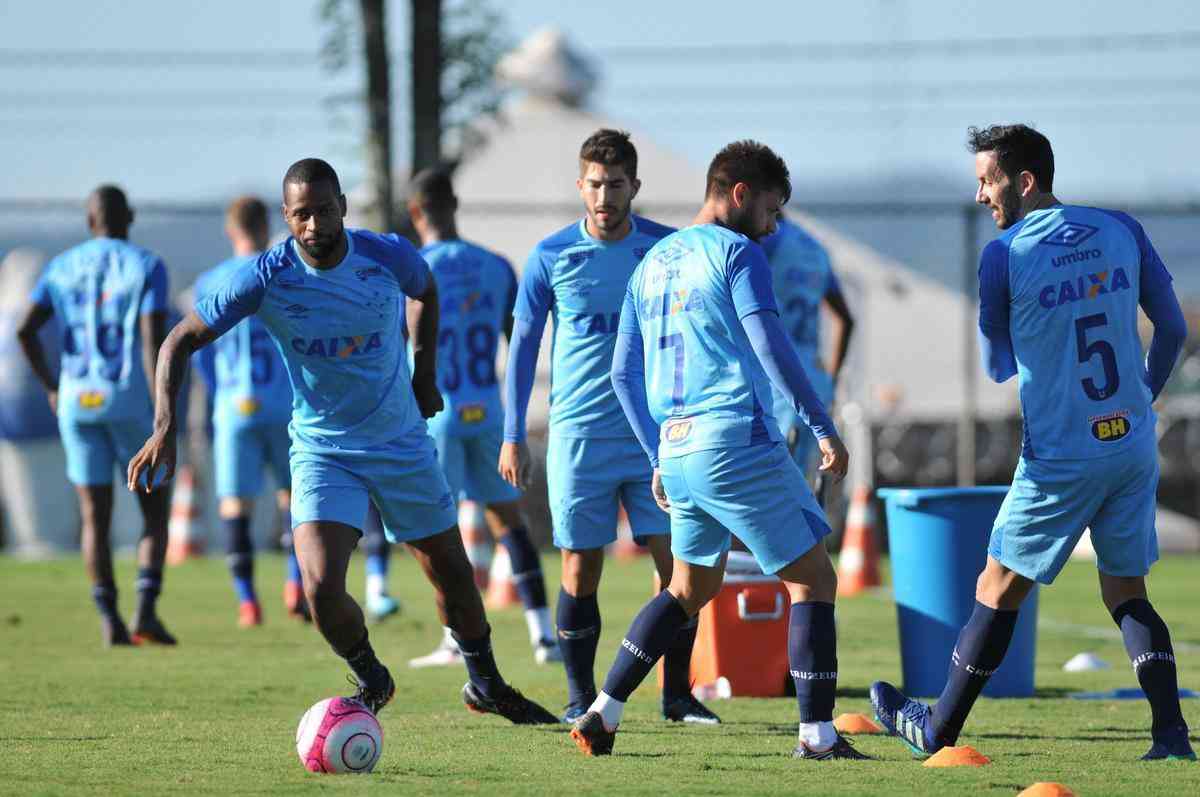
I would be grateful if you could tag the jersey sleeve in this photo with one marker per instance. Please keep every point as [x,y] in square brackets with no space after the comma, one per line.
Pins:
[995,338]
[750,281]
[235,298]
[510,301]
[833,286]
[535,295]
[1154,275]
[41,293]
[154,300]
[409,268]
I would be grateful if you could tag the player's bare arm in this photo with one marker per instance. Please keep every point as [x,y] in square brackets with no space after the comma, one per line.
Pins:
[843,328]
[189,336]
[34,319]
[423,331]
[514,464]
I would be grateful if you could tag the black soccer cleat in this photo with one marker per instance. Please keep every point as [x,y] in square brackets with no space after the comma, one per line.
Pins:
[842,748]
[374,699]
[509,703]
[591,737]
[114,633]
[1172,744]
[151,631]
[688,709]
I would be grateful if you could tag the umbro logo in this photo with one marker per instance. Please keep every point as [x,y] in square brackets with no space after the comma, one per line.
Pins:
[1070,234]
[296,311]
[365,273]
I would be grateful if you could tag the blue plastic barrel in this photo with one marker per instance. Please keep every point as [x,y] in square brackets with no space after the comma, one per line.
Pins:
[938,540]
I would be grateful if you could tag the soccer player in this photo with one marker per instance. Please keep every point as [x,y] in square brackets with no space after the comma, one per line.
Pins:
[251,406]
[332,301]
[699,345]
[110,300]
[804,281]
[579,273]
[476,289]
[1059,292]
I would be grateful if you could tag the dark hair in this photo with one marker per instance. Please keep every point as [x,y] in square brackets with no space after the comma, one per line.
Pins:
[610,148]
[248,214]
[110,207]
[751,163]
[311,170]
[432,188]
[1018,148]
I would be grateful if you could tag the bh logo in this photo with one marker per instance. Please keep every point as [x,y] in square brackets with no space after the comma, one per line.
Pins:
[1111,427]
[677,431]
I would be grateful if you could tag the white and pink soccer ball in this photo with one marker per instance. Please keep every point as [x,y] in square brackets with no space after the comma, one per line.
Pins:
[339,735]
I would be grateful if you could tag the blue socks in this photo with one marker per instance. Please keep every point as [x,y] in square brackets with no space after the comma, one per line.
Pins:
[149,585]
[240,556]
[653,630]
[677,663]
[105,598]
[526,568]
[812,659]
[1148,643]
[481,664]
[980,649]
[578,636]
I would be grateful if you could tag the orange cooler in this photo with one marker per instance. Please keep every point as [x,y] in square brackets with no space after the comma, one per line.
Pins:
[743,637]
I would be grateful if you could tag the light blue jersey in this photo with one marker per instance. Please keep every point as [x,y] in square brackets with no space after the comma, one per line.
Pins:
[341,334]
[705,385]
[582,281]
[476,291]
[803,277]
[1066,282]
[98,291]
[251,386]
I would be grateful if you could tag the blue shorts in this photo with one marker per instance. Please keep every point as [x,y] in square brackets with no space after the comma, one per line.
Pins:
[586,480]
[756,491]
[93,449]
[804,451]
[401,478]
[1051,502]
[241,453]
[470,465]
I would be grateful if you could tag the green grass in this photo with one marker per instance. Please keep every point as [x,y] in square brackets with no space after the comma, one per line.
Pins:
[218,714]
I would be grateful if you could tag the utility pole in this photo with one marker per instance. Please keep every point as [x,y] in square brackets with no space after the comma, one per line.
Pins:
[379,112]
[426,83]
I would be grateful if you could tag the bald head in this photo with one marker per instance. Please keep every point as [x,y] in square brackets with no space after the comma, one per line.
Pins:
[109,214]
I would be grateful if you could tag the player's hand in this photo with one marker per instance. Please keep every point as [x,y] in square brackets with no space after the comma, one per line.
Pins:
[835,460]
[515,464]
[659,492]
[159,451]
[52,397]
[429,397]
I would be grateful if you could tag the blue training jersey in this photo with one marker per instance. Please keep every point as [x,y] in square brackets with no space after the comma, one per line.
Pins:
[803,277]
[250,385]
[99,290]
[582,281]
[341,334]
[705,385]
[476,291]
[1066,281]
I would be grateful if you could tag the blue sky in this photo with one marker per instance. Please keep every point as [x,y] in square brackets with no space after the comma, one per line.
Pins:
[884,123]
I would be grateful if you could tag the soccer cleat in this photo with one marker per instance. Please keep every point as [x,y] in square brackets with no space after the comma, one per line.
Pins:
[547,651]
[294,602]
[688,709]
[1171,744]
[114,633]
[382,606]
[151,631]
[446,654]
[249,614]
[510,704]
[842,748]
[901,716]
[374,699]
[576,709]
[591,737]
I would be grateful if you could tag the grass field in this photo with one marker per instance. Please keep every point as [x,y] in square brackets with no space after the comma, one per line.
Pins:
[218,714]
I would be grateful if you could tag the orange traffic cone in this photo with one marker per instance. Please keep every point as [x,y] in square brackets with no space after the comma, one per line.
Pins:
[477,540]
[502,590]
[858,563]
[183,537]
[625,547]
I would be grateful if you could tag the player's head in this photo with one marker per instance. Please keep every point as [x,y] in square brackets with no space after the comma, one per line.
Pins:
[432,204]
[108,211]
[246,224]
[749,185]
[608,180]
[1014,165]
[314,206]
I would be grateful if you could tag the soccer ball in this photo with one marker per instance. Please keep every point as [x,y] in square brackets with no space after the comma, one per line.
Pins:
[339,735]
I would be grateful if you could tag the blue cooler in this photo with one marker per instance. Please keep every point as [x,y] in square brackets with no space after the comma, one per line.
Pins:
[939,541]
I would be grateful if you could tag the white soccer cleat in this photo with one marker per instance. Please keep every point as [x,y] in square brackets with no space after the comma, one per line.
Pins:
[445,654]
[546,651]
